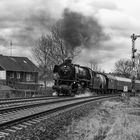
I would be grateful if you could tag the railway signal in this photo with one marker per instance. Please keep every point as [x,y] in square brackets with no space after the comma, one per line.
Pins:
[134,71]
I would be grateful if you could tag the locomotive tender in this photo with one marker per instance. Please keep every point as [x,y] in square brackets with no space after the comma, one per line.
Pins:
[71,79]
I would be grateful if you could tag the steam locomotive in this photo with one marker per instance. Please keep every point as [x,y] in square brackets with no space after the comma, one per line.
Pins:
[71,79]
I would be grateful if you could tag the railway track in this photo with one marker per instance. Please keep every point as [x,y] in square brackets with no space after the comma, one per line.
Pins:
[33,104]
[16,100]
[18,118]
[23,101]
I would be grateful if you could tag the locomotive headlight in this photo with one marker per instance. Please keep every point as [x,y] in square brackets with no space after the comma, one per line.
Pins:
[55,76]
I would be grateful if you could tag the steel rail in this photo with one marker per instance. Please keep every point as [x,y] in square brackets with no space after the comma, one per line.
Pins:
[10,101]
[58,100]
[16,121]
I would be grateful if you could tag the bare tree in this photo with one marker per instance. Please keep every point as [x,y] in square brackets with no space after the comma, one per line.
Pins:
[42,53]
[123,67]
[50,50]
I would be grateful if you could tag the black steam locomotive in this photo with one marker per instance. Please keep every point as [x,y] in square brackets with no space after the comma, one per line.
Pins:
[71,79]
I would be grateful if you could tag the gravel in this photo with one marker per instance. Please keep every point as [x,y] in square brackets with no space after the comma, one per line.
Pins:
[52,127]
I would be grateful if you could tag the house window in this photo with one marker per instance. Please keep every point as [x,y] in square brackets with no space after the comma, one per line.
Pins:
[2,75]
[12,75]
[28,77]
[18,75]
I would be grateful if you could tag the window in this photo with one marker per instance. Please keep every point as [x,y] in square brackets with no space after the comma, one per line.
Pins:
[2,74]
[12,75]
[28,77]
[18,75]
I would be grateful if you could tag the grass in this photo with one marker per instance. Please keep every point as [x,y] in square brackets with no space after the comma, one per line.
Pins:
[112,120]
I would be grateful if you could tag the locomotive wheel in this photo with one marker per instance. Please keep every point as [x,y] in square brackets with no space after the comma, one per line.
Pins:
[74,88]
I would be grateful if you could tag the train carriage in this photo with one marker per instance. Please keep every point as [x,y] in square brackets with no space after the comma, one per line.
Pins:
[123,83]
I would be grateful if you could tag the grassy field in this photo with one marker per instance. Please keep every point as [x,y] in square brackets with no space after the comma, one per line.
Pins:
[111,120]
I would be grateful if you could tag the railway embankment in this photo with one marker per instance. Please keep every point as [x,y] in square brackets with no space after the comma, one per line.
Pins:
[50,126]
[111,120]
[102,120]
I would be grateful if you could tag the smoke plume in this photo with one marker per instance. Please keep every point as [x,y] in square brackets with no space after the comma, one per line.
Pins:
[80,30]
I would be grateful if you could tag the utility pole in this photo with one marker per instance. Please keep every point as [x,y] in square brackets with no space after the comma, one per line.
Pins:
[133,37]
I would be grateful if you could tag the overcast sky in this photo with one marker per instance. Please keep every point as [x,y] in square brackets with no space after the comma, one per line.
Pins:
[23,21]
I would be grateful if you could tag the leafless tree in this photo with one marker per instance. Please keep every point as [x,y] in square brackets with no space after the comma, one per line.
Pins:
[50,50]
[42,52]
[123,67]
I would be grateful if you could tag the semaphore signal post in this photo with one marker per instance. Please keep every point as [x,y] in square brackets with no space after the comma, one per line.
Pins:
[134,71]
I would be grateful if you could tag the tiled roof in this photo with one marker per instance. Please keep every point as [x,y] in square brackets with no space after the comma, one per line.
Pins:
[12,63]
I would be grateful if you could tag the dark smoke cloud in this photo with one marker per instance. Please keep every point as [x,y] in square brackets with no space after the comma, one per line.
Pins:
[80,30]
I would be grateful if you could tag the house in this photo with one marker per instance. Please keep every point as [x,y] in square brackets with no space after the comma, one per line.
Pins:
[19,73]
